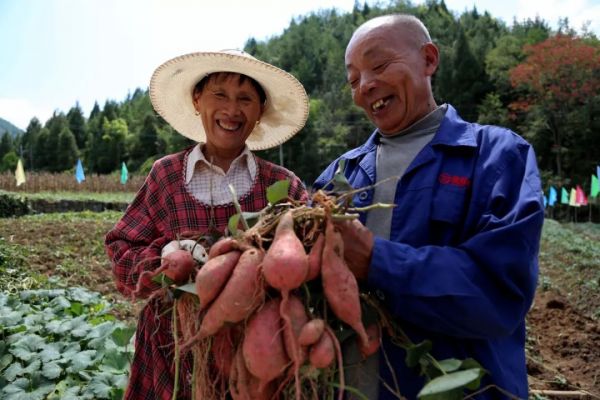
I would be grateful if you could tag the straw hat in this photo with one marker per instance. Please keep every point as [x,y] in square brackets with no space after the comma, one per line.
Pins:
[172,86]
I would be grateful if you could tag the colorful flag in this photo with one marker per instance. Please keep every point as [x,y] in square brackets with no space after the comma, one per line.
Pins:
[79,175]
[580,196]
[552,196]
[573,198]
[564,196]
[124,173]
[594,187]
[20,173]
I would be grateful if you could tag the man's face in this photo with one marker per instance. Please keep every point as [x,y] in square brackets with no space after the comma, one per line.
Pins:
[389,77]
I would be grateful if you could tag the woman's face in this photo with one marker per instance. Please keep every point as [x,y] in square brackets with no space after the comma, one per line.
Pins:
[229,111]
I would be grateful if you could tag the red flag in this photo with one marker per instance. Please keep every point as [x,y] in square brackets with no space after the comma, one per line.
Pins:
[580,196]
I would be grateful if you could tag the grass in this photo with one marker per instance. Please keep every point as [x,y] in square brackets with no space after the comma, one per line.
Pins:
[107,197]
[570,262]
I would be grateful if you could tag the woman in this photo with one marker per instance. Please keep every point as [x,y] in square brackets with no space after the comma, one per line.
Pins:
[230,103]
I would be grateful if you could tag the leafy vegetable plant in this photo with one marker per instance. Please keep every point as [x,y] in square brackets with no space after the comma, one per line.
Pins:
[61,344]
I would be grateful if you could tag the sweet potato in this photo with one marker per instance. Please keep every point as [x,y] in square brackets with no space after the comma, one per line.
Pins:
[239,377]
[314,258]
[223,351]
[222,246]
[339,284]
[294,317]
[263,348]
[322,354]
[180,265]
[311,332]
[243,292]
[285,265]
[374,334]
[298,318]
[213,275]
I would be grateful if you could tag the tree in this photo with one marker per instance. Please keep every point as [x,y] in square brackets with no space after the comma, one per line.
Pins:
[28,143]
[77,126]
[67,153]
[561,77]
[6,144]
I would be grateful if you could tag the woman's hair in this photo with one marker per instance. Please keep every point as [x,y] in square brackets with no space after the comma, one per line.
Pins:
[221,76]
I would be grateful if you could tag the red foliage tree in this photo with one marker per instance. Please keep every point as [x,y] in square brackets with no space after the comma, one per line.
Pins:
[560,75]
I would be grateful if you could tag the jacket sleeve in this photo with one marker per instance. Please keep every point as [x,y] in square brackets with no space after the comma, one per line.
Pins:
[135,242]
[483,287]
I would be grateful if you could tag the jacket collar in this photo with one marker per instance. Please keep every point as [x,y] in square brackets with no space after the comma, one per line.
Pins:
[453,131]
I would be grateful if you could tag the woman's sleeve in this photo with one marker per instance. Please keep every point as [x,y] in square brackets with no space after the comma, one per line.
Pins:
[135,242]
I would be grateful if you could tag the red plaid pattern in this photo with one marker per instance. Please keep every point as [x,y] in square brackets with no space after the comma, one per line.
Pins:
[162,210]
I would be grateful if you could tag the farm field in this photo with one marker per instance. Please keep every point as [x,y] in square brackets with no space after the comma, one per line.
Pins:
[66,250]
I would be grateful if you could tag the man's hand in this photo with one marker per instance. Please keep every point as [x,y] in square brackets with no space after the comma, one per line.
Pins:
[358,245]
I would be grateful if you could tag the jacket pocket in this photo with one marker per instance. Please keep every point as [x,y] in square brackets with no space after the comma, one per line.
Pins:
[448,210]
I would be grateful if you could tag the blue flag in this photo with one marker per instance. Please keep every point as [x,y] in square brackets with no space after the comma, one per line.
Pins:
[545,201]
[79,175]
[124,173]
[552,196]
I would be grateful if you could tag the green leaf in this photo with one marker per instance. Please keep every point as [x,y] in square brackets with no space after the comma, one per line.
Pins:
[162,279]
[60,303]
[417,351]
[233,223]
[51,370]
[122,336]
[76,309]
[11,319]
[5,361]
[13,370]
[455,394]
[116,360]
[81,361]
[450,364]
[453,380]
[188,287]
[50,352]
[278,191]
[340,183]
[100,386]
[81,329]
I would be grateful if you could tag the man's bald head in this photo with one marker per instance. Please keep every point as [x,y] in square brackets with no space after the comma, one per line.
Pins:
[398,26]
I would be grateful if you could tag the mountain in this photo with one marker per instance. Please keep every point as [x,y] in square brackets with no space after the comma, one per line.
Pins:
[6,126]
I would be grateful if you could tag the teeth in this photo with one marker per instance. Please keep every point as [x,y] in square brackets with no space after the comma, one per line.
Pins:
[377,105]
[229,126]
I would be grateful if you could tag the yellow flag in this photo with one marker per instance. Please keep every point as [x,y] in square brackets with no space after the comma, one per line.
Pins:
[573,198]
[20,173]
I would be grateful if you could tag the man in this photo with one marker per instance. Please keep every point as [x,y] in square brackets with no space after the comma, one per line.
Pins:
[455,261]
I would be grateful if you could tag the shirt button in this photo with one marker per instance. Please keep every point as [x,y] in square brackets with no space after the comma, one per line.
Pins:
[363,195]
[380,294]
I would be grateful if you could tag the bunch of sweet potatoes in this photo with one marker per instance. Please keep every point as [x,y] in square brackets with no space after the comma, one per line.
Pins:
[267,338]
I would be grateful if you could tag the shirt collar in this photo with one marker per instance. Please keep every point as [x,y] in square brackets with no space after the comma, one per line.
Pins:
[197,155]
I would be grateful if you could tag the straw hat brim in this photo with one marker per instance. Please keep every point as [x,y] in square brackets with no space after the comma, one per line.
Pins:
[172,86]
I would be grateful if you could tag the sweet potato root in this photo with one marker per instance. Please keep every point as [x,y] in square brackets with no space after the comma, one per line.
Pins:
[213,276]
[263,348]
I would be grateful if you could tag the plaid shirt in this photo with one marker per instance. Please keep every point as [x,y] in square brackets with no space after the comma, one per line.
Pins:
[162,210]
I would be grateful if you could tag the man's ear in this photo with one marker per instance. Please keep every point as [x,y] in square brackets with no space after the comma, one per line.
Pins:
[432,58]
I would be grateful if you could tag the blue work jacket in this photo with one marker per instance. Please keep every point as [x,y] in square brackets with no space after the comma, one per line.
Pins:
[460,267]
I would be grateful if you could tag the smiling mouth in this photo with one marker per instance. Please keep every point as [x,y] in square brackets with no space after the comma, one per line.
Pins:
[380,104]
[229,126]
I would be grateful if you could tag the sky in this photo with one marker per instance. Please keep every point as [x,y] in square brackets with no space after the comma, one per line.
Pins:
[57,53]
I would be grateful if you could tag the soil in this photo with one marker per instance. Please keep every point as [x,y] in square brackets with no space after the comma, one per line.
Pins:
[563,342]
